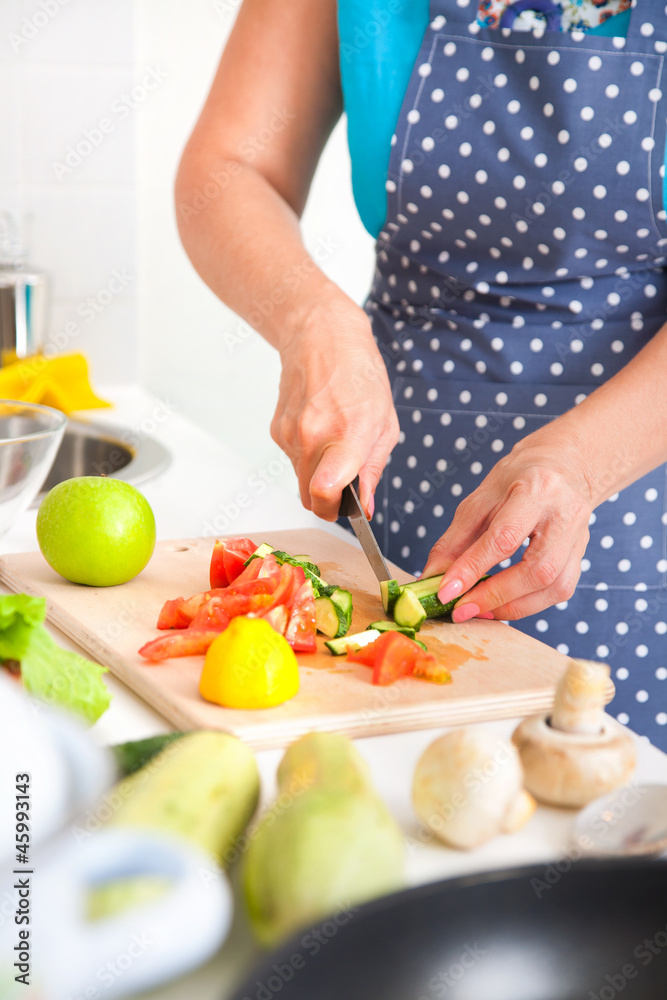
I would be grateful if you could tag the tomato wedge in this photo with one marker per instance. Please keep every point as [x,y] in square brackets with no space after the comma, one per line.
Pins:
[180,612]
[227,559]
[300,631]
[277,618]
[211,615]
[392,656]
[189,642]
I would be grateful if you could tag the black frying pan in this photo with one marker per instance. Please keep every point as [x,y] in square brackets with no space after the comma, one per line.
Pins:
[597,931]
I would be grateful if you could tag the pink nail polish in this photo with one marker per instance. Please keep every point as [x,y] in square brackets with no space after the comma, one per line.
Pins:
[450,590]
[464,612]
[371,507]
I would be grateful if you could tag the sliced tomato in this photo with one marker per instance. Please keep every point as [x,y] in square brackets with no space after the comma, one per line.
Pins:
[277,618]
[300,631]
[250,572]
[289,581]
[189,642]
[211,615]
[247,597]
[227,559]
[180,612]
[391,656]
[428,668]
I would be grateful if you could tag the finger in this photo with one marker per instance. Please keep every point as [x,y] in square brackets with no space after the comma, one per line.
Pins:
[337,466]
[304,475]
[372,469]
[561,590]
[503,537]
[535,582]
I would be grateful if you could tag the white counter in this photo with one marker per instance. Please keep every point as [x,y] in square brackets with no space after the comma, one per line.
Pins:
[203,484]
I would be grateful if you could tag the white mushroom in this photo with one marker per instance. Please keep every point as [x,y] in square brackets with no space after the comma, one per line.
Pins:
[579,753]
[467,788]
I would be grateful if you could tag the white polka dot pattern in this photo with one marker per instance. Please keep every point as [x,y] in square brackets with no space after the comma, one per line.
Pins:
[520,266]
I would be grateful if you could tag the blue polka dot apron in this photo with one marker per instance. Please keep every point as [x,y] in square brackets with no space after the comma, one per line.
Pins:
[521,264]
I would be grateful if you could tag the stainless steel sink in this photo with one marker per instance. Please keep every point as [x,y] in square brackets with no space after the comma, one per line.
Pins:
[89,449]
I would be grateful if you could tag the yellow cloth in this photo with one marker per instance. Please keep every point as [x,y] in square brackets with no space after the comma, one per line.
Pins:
[61,382]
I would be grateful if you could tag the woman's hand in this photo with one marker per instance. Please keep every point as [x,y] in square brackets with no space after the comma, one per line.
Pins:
[539,491]
[335,416]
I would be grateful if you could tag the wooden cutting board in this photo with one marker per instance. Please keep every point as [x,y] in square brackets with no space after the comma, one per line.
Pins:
[498,672]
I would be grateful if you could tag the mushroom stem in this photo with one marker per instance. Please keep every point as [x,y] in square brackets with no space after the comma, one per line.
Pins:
[580,698]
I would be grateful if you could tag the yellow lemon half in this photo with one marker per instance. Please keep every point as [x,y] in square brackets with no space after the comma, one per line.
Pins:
[249,665]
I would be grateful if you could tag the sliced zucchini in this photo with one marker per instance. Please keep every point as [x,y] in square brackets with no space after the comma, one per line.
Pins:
[384,626]
[422,644]
[333,613]
[427,593]
[408,610]
[262,550]
[326,617]
[338,647]
[389,590]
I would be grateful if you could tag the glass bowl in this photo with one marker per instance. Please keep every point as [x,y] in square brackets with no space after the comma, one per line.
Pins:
[30,435]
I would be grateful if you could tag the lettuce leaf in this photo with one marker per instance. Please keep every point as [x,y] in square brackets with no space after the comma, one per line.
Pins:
[49,673]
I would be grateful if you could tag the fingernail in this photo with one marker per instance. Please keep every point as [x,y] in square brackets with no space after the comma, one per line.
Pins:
[371,507]
[450,590]
[484,614]
[464,612]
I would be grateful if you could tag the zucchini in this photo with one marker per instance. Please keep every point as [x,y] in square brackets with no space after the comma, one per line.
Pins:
[427,593]
[389,591]
[408,610]
[311,571]
[422,644]
[326,617]
[333,612]
[384,626]
[262,550]
[131,756]
[203,787]
[338,647]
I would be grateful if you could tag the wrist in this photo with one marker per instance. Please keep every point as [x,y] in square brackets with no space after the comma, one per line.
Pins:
[559,446]
[328,307]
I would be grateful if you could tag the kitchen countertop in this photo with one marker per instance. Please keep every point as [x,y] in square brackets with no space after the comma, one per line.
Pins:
[208,489]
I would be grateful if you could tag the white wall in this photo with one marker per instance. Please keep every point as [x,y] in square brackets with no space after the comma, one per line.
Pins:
[64,66]
[193,349]
[62,70]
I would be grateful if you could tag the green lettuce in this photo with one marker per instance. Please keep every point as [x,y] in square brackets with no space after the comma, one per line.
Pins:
[49,673]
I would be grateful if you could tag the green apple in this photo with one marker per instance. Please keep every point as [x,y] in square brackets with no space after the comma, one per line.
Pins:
[96,530]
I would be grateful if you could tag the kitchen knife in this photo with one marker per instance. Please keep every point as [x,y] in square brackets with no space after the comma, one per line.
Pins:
[350,507]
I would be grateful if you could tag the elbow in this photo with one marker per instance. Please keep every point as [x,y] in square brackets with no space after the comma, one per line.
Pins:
[201,182]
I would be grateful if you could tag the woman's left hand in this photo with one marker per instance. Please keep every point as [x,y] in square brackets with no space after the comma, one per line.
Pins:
[541,492]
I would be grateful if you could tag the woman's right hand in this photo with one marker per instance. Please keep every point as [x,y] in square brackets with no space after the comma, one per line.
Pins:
[335,417]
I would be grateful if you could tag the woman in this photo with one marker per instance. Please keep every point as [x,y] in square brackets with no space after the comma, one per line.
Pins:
[515,329]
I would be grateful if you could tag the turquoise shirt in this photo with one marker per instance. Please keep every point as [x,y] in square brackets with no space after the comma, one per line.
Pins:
[379,43]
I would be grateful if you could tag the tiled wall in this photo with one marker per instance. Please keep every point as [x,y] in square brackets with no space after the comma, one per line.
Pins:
[68,119]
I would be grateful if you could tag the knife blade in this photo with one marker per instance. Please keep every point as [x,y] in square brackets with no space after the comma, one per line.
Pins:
[351,508]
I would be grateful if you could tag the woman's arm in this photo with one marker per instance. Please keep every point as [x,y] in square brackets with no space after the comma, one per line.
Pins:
[546,488]
[241,187]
